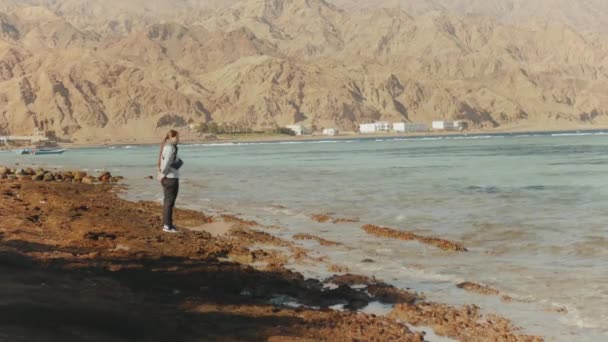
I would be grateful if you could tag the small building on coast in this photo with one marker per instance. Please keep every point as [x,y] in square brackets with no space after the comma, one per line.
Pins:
[376,127]
[38,136]
[461,125]
[330,132]
[405,127]
[442,125]
[298,129]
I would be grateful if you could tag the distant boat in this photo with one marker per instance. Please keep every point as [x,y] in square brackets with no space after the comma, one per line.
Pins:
[47,151]
[39,152]
[23,151]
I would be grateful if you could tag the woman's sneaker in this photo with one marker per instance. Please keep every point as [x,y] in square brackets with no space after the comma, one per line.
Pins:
[167,229]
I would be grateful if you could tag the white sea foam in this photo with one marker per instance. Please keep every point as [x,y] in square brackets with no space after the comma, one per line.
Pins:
[377,308]
[429,275]
[575,318]
[577,134]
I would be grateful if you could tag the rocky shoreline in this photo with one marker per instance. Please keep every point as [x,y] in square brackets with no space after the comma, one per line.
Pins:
[78,262]
[40,174]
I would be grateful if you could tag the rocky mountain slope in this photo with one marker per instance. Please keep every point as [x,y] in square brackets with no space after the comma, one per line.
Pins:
[587,15]
[109,69]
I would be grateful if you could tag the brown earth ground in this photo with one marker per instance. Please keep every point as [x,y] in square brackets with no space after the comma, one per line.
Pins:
[77,263]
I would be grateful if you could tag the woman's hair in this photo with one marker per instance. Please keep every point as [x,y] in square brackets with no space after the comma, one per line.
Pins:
[170,135]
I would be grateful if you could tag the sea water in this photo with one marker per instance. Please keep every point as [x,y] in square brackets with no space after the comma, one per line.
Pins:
[531,208]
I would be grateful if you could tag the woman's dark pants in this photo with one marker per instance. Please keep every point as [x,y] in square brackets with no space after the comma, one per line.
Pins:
[171,188]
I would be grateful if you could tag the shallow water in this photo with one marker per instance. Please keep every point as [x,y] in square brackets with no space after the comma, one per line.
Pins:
[530,208]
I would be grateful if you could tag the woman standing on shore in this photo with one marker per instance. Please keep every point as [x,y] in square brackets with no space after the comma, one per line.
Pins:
[168,174]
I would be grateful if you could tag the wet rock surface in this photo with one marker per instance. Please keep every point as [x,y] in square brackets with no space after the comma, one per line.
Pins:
[465,323]
[478,288]
[323,218]
[444,244]
[379,290]
[321,241]
[484,290]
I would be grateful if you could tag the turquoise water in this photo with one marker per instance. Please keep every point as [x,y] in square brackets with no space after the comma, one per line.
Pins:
[532,209]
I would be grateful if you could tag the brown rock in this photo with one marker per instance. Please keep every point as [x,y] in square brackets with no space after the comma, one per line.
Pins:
[352,279]
[244,257]
[232,218]
[390,294]
[465,323]
[88,180]
[408,236]
[105,178]
[478,288]
[321,218]
[337,268]
[321,241]
[79,175]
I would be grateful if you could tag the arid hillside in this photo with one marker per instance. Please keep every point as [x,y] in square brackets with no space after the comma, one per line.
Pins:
[102,70]
[587,15]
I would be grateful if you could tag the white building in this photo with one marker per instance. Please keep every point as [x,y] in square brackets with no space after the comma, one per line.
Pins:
[367,128]
[403,127]
[330,131]
[298,129]
[443,125]
[376,127]
[460,125]
[39,132]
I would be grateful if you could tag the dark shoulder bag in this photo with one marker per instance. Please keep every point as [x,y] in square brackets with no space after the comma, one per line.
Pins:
[177,163]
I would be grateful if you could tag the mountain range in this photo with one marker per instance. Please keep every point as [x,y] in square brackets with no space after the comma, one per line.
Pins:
[94,70]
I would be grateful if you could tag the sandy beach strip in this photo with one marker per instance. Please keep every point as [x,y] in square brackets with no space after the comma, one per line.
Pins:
[190,138]
[76,260]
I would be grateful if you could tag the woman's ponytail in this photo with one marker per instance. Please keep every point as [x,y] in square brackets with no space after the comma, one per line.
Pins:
[171,134]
